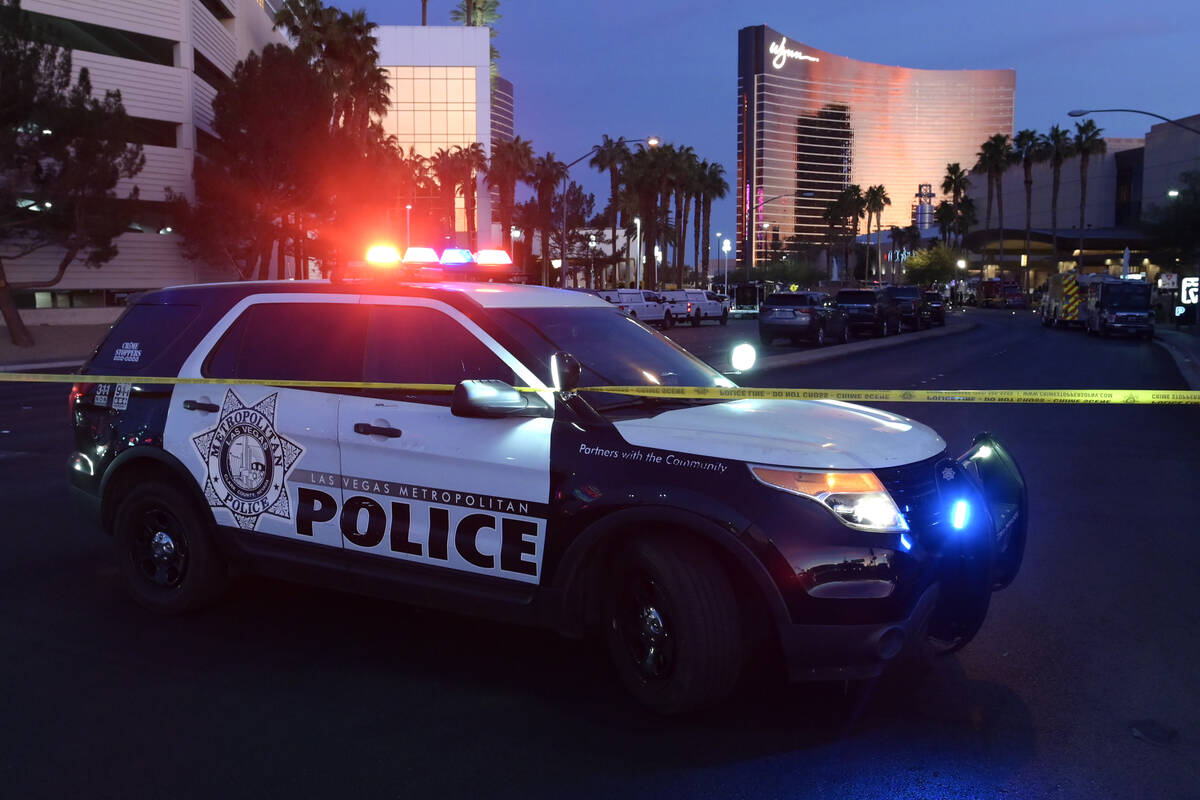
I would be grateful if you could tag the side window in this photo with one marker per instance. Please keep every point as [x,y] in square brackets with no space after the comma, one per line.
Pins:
[411,344]
[292,341]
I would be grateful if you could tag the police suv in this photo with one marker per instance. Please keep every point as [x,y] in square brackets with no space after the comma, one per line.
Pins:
[319,445]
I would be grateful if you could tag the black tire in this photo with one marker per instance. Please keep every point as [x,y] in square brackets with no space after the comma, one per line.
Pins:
[881,330]
[165,550]
[673,625]
[845,337]
[725,317]
[765,339]
[819,339]
[633,315]
[696,319]
[668,321]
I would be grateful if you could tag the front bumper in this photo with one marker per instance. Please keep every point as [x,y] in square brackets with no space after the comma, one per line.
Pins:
[851,652]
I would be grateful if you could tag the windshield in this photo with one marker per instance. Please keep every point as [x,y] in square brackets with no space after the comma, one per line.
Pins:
[612,349]
[856,297]
[1125,295]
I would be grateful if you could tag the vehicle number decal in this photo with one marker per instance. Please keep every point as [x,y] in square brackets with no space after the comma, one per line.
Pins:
[120,400]
[101,399]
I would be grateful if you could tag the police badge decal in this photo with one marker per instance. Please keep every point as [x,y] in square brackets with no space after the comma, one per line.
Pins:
[247,461]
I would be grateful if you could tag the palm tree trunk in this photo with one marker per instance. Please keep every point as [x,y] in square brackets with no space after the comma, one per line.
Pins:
[424,12]
[614,186]
[705,233]
[701,276]
[1000,220]
[1028,220]
[469,203]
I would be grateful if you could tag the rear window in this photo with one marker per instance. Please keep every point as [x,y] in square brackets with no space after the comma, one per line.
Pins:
[906,292]
[293,341]
[792,300]
[856,296]
[140,337]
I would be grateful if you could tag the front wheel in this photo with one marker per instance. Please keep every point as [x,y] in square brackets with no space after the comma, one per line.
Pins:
[672,625]
[725,317]
[820,337]
[845,337]
[165,550]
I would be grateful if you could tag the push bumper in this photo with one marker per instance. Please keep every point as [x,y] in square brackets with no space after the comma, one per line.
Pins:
[851,652]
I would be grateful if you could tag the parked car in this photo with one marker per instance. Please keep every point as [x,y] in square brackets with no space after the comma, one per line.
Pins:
[870,311]
[811,316]
[912,306]
[642,304]
[937,307]
[697,305]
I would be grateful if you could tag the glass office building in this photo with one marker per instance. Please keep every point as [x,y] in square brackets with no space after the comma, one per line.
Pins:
[811,123]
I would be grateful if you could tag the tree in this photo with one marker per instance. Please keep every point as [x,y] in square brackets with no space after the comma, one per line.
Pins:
[1059,147]
[714,187]
[472,160]
[684,181]
[610,155]
[1030,147]
[995,157]
[544,177]
[512,162]
[935,265]
[272,120]
[343,49]
[62,152]
[484,14]
[945,217]
[1087,143]
[642,180]
[446,168]
[580,206]
[876,198]
[955,183]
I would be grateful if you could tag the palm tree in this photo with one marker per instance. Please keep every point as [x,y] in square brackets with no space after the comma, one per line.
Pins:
[896,238]
[714,188]
[424,12]
[855,209]
[994,158]
[611,155]
[876,198]
[642,179]
[306,22]
[546,173]
[484,14]
[1059,148]
[1030,146]
[1088,142]
[512,161]
[945,218]
[445,167]
[955,183]
[685,181]
[471,161]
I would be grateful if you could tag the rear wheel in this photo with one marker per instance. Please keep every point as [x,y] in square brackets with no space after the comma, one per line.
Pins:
[668,320]
[819,339]
[696,319]
[845,337]
[165,551]
[725,317]
[672,625]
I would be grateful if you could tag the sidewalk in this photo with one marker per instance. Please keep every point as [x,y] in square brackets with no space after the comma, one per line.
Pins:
[54,347]
[1184,347]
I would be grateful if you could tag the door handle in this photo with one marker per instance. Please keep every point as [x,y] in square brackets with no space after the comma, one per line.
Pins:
[367,429]
[194,405]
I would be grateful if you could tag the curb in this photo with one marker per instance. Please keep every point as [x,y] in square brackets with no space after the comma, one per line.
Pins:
[783,360]
[1186,362]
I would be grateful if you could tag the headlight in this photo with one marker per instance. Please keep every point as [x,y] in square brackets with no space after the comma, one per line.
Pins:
[858,499]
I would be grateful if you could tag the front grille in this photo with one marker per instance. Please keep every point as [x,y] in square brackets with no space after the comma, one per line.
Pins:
[914,488]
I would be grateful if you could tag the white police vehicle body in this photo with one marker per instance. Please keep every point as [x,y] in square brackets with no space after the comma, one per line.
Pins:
[689,533]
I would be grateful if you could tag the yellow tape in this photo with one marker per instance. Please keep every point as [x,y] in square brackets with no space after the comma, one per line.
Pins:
[1093,396]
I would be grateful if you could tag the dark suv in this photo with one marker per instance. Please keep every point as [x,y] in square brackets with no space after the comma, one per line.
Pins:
[869,311]
[936,304]
[914,309]
[802,315]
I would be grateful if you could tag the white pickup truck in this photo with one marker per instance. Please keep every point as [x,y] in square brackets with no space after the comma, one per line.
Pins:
[641,304]
[697,305]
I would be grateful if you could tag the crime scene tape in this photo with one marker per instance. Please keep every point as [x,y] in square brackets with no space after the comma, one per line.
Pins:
[1060,396]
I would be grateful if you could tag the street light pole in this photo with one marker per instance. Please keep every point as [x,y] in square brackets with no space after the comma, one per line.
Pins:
[638,278]
[1079,112]
[725,250]
[408,226]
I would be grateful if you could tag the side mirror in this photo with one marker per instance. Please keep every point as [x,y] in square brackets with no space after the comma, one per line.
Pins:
[565,369]
[495,399]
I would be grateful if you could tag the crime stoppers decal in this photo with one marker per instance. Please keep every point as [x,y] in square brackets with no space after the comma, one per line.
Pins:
[247,461]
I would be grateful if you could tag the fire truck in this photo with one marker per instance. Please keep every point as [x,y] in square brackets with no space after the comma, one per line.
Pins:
[1062,303]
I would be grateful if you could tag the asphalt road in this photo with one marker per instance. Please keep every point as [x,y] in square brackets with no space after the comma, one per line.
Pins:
[287,691]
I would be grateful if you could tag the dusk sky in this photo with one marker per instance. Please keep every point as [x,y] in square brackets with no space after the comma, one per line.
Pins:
[633,68]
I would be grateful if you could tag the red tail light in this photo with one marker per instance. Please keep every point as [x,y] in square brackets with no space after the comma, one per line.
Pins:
[689,308]
[78,390]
